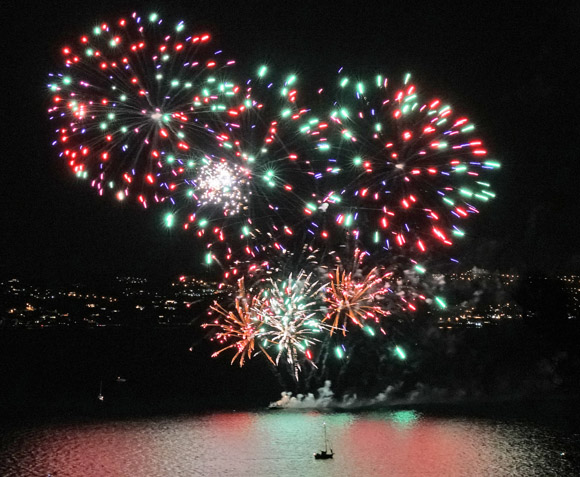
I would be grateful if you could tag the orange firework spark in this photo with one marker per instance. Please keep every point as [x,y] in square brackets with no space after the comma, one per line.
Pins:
[239,328]
[352,299]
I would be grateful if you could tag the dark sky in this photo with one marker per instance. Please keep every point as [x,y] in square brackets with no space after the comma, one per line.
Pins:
[513,71]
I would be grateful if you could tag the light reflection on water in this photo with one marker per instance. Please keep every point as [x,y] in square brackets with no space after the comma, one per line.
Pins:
[281,443]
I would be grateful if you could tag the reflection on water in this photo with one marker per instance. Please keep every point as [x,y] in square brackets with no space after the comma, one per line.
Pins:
[281,443]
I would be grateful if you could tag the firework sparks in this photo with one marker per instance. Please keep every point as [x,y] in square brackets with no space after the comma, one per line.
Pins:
[123,106]
[353,298]
[140,112]
[222,184]
[256,128]
[240,328]
[400,171]
[290,314]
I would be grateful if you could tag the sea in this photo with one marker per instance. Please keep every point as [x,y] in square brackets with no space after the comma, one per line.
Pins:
[517,439]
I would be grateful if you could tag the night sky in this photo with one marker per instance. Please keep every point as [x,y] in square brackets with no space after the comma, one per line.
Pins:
[512,71]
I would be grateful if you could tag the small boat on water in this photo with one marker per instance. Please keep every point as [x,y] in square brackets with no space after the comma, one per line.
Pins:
[325,454]
[100,397]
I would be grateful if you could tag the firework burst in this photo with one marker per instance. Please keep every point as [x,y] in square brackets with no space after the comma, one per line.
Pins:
[239,329]
[400,171]
[291,318]
[256,126]
[354,298]
[223,185]
[124,106]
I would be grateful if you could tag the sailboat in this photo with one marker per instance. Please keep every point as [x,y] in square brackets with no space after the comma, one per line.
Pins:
[324,454]
[100,397]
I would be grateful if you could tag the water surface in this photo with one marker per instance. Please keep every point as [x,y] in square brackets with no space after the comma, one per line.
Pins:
[281,443]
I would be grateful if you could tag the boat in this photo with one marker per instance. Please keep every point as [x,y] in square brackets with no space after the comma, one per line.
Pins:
[100,397]
[325,454]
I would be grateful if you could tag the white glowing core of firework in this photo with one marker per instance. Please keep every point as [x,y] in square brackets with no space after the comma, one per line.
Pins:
[223,184]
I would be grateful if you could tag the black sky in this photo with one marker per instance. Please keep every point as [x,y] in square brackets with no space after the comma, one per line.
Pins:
[512,69]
